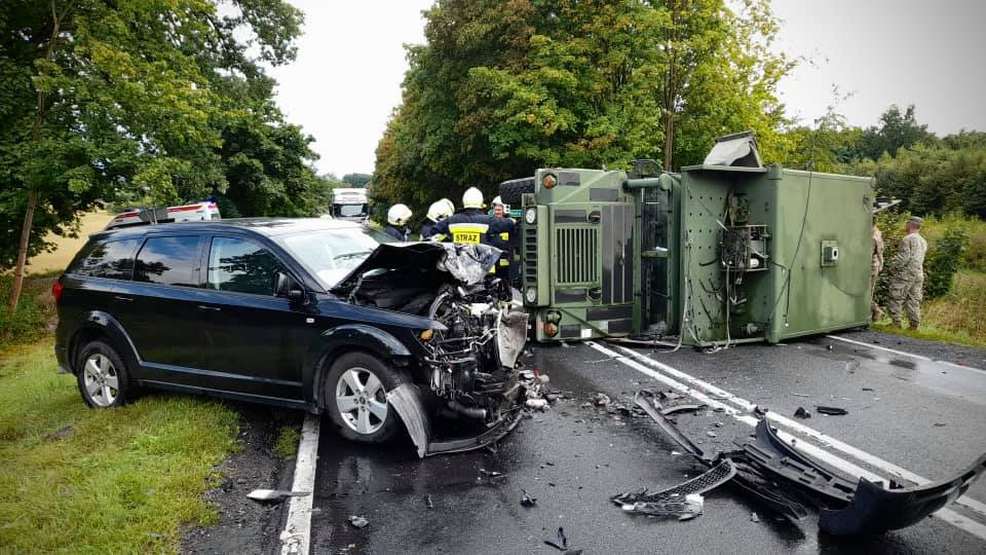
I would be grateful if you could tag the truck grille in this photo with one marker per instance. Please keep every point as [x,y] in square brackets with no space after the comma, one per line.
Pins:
[530,255]
[577,255]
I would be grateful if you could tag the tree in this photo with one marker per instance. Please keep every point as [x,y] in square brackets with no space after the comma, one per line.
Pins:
[897,130]
[502,88]
[104,99]
[357,179]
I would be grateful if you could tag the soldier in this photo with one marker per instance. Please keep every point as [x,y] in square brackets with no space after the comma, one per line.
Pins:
[438,211]
[908,280]
[397,217]
[876,313]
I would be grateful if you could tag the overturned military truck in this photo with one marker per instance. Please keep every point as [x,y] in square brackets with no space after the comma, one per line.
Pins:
[724,252]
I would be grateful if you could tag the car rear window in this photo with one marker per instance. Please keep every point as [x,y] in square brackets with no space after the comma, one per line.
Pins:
[241,265]
[107,259]
[169,260]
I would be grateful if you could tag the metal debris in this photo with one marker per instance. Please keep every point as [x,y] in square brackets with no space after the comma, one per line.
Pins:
[831,411]
[802,413]
[527,500]
[274,495]
[358,522]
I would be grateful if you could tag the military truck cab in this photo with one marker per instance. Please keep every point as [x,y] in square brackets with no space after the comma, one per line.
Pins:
[723,252]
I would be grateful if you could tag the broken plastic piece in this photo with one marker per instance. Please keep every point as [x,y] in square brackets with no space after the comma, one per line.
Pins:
[275,494]
[527,500]
[875,509]
[684,407]
[358,522]
[831,411]
[802,413]
[682,499]
[652,407]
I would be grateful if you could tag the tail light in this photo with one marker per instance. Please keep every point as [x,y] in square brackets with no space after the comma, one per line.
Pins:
[56,290]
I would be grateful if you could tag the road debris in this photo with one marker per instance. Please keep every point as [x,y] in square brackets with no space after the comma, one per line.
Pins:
[783,479]
[358,522]
[428,502]
[802,413]
[754,517]
[831,411]
[683,501]
[527,500]
[491,474]
[601,400]
[561,543]
[274,495]
[684,407]
[801,395]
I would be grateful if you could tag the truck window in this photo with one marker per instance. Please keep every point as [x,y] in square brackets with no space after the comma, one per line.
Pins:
[107,259]
[169,261]
[348,210]
[242,266]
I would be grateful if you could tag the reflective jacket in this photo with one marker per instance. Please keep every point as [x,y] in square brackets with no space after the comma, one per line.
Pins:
[468,226]
[503,236]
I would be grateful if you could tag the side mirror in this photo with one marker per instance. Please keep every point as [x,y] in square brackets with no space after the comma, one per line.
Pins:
[286,287]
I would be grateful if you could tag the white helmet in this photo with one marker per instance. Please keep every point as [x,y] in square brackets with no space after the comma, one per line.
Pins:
[472,198]
[398,214]
[497,200]
[440,209]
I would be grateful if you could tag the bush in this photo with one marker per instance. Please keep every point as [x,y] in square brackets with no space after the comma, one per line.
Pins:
[942,262]
[35,311]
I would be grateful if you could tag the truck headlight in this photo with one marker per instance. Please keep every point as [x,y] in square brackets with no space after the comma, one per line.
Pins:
[531,295]
[531,215]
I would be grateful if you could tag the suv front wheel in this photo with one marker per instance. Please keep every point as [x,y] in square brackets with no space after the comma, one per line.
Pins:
[356,398]
[102,376]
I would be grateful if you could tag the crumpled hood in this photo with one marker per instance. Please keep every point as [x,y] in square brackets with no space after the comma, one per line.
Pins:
[467,264]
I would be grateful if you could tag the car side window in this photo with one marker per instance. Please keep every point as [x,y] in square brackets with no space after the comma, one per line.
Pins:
[108,259]
[169,261]
[241,265]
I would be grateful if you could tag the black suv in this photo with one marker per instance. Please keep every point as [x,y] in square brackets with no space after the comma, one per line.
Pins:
[306,313]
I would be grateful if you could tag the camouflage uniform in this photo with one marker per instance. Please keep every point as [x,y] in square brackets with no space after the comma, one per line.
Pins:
[908,280]
[877,266]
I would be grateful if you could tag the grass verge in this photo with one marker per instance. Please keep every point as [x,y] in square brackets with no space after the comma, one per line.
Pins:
[287,441]
[109,481]
[958,317]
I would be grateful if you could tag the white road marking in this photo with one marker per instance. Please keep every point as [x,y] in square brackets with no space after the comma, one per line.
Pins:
[824,439]
[296,537]
[973,527]
[905,353]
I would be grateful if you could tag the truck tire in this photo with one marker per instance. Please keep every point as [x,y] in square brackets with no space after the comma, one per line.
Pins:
[511,191]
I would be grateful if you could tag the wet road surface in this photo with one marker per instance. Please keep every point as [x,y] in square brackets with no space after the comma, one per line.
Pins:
[923,416]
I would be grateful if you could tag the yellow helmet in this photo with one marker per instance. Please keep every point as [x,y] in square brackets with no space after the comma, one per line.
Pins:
[399,214]
[472,198]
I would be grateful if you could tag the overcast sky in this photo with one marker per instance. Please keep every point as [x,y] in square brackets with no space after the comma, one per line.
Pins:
[346,80]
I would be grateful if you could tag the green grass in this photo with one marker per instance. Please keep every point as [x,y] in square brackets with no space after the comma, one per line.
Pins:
[287,441]
[99,481]
[958,317]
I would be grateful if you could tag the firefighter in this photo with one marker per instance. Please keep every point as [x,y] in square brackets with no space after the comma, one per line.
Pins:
[438,211]
[502,237]
[907,282]
[467,226]
[397,218]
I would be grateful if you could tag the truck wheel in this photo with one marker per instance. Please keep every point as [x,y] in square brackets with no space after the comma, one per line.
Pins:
[511,191]
[356,398]
[102,377]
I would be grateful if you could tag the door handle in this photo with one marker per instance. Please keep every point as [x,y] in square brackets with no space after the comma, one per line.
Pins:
[124,299]
[207,307]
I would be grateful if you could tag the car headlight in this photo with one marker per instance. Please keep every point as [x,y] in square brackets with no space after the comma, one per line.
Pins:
[531,215]
[531,295]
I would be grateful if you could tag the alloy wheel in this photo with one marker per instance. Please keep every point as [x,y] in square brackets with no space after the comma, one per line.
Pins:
[101,380]
[361,400]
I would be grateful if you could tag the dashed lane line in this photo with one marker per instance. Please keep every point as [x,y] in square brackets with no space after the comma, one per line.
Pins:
[631,360]
[296,537]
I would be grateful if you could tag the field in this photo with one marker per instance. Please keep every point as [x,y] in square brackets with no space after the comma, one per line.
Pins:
[67,246]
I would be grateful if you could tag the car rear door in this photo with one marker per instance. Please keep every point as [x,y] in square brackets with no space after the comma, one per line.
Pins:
[256,340]
[158,309]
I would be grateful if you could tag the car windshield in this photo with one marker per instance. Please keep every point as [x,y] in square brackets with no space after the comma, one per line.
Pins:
[330,254]
[349,210]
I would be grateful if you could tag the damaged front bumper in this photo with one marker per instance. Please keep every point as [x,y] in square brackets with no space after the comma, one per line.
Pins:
[407,401]
[785,479]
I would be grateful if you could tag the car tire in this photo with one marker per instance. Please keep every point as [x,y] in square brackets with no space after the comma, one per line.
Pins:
[356,398]
[511,191]
[102,376]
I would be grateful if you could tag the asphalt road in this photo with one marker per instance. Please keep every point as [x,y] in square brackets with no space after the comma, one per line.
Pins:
[924,416]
